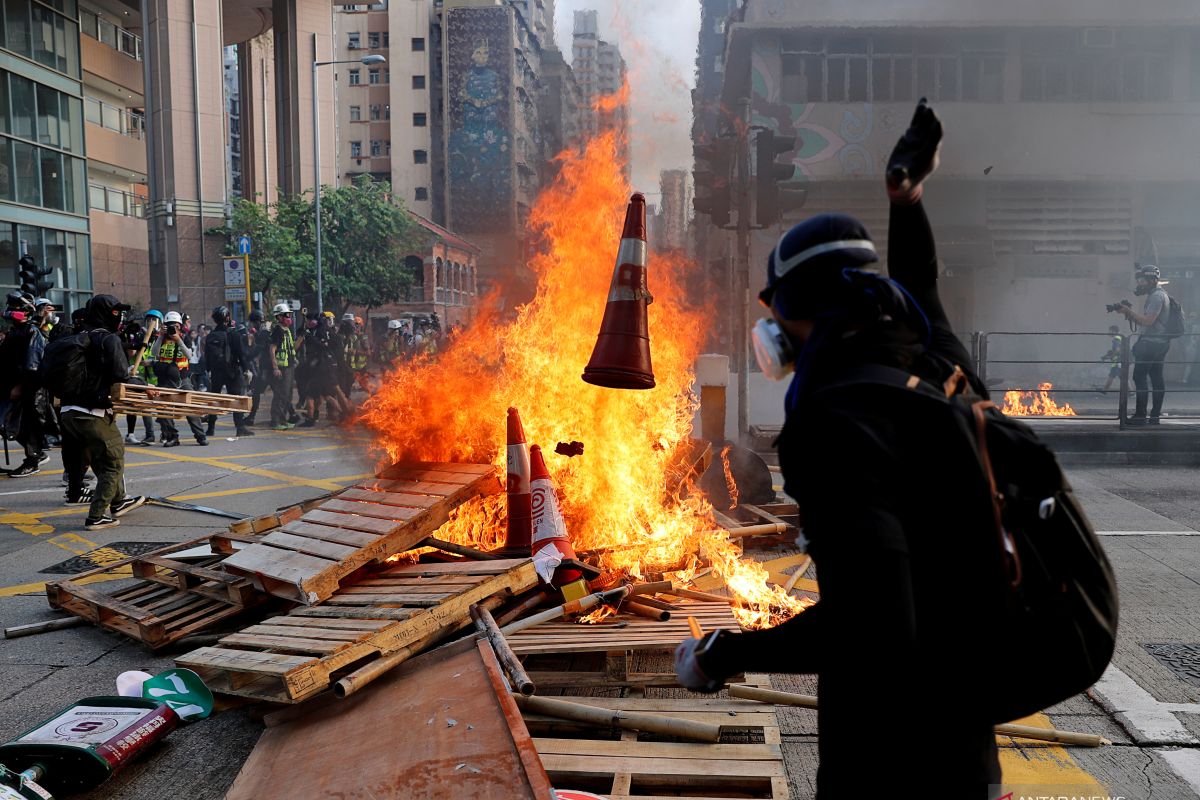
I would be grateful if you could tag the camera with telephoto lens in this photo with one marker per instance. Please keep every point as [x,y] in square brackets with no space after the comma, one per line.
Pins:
[171,329]
[1111,307]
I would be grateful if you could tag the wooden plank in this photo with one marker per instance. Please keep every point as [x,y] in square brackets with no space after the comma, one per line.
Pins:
[394,514]
[351,522]
[390,498]
[463,740]
[443,466]
[638,633]
[496,567]
[325,533]
[420,474]
[409,487]
[333,623]
[406,588]
[305,632]
[685,750]
[303,544]
[422,600]
[387,614]
[242,660]
[724,770]
[282,643]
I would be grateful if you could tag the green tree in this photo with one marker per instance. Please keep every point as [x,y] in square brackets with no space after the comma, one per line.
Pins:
[279,264]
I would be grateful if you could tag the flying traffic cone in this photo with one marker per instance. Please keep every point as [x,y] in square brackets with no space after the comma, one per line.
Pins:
[621,358]
[520,516]
[550,540]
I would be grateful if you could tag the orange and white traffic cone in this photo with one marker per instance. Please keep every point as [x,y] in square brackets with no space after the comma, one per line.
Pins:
[520,515]
[551,544]
[621,358]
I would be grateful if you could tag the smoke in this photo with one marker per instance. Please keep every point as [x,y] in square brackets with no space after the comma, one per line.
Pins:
[658,42]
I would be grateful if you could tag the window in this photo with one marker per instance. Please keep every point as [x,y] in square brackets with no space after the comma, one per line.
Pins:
[387,112]
[421,193]
[419,119]
[386,40]
[376,147]
[375,112]
[354,40]
[373,76]
[420,156]
[356,149]
[355,77]
[355,113]
[1062,66]
[418,44]
[418,81]
[387,76]
[373,40]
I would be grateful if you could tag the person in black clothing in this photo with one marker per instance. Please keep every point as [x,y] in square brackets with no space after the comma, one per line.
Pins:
[226,363]
[90,435]
[896,508]
[259,332]
[20,356]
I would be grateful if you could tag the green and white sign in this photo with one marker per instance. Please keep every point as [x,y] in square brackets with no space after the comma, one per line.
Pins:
[183,691]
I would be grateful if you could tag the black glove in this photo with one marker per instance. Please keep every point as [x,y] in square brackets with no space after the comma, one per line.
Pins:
[916,155]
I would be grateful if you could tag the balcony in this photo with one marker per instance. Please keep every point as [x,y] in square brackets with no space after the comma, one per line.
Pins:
[116,119]
[115,201]
[117,38]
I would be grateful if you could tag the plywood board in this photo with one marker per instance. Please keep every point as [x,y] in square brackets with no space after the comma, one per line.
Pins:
[622,632]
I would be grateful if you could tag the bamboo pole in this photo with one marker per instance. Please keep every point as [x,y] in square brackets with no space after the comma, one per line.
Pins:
[627,720]
[649,612]
[765,529]
[507,658]
[534,600]
[1021,731]
[692,594]
[18,631]
[566,609]
[797,575]
[150,331]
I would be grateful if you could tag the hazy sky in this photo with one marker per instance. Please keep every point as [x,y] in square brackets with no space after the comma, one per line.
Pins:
[658,41]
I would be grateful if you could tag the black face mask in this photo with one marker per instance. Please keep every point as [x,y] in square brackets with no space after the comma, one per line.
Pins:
[1143,289]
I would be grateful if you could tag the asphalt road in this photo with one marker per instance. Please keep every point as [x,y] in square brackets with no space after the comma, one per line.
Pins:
[1151,711]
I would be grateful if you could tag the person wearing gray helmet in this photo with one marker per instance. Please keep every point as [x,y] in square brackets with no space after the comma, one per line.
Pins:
[1150,349]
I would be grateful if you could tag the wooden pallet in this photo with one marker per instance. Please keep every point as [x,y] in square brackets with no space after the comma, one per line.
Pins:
[289,658]
[170,401]
[306,559]
[622,632]
[629,766]
[174,598]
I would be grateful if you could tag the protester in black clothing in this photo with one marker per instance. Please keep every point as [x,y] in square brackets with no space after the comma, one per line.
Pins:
[90,435]
[20,356]
[259,332]
[226,362]
[895,506]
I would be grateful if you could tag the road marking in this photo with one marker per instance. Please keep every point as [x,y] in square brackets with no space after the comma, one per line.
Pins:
[1185,764]
[1136,710]
[30,524]
[1188,532]
[1041,764]
[262,473]
[38,588]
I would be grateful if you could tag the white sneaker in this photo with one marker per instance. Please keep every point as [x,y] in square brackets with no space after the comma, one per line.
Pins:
[131,439]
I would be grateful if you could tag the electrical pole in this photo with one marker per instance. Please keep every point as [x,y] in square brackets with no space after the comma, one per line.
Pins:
[741,268]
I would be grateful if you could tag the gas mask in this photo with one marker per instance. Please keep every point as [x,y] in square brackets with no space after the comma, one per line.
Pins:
[1144,287]
[772,350]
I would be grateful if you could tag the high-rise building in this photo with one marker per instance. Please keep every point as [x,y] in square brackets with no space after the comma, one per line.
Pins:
[233,113]
[674,208]
[43,174]
[560,108]
[600,71]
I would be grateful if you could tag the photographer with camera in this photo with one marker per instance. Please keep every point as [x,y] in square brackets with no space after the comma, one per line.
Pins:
[1150,350]
[171,358]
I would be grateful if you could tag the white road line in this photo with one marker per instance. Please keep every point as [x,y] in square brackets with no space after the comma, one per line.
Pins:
[1136,710]
[1188,532]
[1185,764]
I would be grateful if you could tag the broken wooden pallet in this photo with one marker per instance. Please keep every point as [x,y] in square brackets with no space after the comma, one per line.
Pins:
[636,767]
[289,658]
[171,401]
[623,632]
[306,559]
[175,598]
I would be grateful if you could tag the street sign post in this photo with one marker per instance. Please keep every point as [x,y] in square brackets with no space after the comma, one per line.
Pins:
[244,245]
[237,280]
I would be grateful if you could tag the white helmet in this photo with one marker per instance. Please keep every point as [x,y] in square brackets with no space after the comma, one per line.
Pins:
[173,316]
[281,308]
[348,316]
[393,324]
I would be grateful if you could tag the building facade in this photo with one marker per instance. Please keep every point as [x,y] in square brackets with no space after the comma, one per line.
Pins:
[601,72]
[43,172]
[675,205]
[1069,153]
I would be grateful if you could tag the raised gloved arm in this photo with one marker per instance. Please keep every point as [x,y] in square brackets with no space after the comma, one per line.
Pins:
[915,156]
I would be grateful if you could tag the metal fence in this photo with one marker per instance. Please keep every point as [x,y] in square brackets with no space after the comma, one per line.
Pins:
[1075,364]
[116,119]
[115,201]
[116,37]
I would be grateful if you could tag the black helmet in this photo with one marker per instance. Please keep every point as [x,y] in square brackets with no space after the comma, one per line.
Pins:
[256,315]
[19,301]
[808,261]
[220,314]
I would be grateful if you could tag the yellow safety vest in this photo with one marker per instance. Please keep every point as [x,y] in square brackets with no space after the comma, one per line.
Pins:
[285,355]
[168,353]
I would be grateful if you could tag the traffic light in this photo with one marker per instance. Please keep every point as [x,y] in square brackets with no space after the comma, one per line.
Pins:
[27,277]
[713,196]
[44,282]
[773,191]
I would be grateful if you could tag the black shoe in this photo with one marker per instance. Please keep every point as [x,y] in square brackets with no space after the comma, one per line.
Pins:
[202,441]
[1136,422]
[84,498]
[170,442]
[128,504]
[308,423]
[43,458]
[95,523]
[149,439]
[1152,421]
[243,432]
[212,430]
[25,470]
[294,418]
[248,421]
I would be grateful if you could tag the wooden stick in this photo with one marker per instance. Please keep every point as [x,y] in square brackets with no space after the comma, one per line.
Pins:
[534,600]
[627,720]
[458,549]
[150,331]
[656,587]
[1022,731]
[649,612]
[692,594]
[766,529]
[504,654]
[694,627]
[374,670]
[18,631]
[797,575]
[566,609]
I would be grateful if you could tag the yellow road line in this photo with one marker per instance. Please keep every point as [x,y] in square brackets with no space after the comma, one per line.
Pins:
[262,473]
[30,524]
[1043,764]
[38,588]
[282,452]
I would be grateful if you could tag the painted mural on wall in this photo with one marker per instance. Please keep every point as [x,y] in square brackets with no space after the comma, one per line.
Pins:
[479,138]
[847,140]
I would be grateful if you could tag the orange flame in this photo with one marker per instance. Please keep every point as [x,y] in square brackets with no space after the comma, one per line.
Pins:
[1035,404]
[730,483]
[453,408]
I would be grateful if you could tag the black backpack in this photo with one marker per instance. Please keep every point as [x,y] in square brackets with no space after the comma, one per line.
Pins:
[217,351]
[1055,627]
[1175,325]
[68,369]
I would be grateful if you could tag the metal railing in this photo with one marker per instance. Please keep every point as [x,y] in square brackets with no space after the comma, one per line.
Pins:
[1000,362]
[115,201]
[116,119]
[111,34]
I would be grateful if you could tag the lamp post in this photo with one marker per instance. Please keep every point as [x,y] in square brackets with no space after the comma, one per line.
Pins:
[374,58]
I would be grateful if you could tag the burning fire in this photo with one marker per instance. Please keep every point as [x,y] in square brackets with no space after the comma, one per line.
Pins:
[1035,404]
[617,496]
[730,483]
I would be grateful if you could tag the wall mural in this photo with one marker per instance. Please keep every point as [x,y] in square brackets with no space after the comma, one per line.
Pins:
[479,135]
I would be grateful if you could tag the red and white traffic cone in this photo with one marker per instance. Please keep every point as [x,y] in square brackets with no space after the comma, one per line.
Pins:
[621,358]
[550,539]
[520,515]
